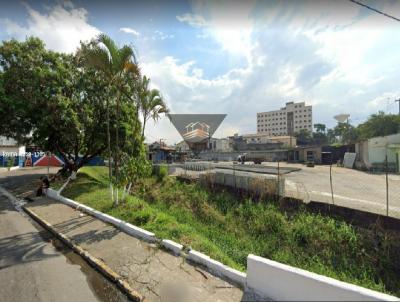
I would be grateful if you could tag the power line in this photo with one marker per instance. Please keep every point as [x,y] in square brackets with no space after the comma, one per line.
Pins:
[375,10]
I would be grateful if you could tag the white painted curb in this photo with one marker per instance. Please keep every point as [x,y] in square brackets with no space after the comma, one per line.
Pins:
[124,226]
[218,268]
[14,168]
[282,282]
[174,247]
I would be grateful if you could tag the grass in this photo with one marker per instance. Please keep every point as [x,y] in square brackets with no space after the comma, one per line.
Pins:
[228,228]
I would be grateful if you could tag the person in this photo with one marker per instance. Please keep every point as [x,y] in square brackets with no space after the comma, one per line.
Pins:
[44,185]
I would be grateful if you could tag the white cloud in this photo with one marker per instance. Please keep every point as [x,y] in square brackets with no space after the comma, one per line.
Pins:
[193,20]
[129,30]
[159,35]
[229,25]
[62,27]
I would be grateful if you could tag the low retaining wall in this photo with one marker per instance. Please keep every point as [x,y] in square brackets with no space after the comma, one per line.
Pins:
[260,184]
[282,282]
[218,268]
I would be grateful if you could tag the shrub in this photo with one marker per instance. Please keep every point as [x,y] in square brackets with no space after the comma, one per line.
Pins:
[161,171]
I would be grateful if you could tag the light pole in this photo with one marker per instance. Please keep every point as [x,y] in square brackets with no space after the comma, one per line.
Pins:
[398,101]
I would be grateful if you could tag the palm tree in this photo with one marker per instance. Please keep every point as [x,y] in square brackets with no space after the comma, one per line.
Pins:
[151,103]
[104,55]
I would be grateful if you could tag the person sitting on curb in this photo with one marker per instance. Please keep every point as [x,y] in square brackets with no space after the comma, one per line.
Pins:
[44,185]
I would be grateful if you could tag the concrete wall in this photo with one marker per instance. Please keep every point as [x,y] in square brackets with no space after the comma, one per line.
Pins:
[316,154]
[260,185]
[12,151]
[362,158]
[277,281]
[378,147]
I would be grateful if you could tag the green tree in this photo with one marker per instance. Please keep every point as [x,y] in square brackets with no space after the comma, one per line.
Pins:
[380,124]
[114,62]
[320,137]
[304,137]
[346,133]
[320,128]
[151,103]
[52,102]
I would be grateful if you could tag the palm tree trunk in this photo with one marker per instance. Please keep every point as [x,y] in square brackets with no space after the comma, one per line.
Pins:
[117,146]
[144,126]
[109,150]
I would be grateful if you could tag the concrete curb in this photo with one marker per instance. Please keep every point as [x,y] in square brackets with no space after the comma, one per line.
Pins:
[218,268]
[93,261]
[174,247]
[122,225]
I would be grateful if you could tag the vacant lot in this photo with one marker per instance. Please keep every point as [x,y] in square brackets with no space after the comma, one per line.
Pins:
[229,228]
[351,188]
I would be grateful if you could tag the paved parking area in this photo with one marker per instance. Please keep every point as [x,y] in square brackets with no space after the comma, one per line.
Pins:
[351,188]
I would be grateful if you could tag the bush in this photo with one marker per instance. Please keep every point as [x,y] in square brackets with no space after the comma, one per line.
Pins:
[161,171]
[10,162]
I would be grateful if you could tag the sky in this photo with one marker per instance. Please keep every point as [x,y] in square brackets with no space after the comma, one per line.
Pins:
[236,57]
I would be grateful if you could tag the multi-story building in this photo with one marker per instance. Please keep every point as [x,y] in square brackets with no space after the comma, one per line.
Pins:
[287,121]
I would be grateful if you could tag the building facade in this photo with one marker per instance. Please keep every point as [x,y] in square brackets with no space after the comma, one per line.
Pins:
[371,154]
[262,138]
[287,121]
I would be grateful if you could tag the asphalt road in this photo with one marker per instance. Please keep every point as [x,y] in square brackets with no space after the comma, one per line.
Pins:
[34,266]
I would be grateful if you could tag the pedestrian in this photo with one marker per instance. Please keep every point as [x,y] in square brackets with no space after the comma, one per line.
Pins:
[44,185]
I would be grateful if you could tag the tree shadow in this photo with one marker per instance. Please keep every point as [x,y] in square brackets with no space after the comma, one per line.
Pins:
[94,236]
[25,248]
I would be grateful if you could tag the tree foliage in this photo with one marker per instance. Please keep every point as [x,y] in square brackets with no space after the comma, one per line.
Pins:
[59,104]
[380,124]
[151,103]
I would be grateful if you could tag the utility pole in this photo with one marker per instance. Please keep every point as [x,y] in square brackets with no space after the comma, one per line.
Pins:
[398,101]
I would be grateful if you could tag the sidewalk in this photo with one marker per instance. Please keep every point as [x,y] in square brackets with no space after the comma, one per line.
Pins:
[149,270]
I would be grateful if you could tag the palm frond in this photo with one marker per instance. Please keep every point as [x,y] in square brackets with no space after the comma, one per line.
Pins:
[111,47]
[96,57]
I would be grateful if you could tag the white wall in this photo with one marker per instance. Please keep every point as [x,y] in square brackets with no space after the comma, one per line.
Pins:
[377,148]
[281,282]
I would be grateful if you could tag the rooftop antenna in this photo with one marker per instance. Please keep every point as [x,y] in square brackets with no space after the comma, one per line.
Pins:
[342,118]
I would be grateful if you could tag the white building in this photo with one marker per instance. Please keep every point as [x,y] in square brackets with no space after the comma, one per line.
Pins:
[372,153]
[288,120]
[220,145]
[262,138]
[10,148]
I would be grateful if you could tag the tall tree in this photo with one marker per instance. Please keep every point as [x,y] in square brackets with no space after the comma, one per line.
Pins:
[380,124]
[53,102]
[320,128]
[345,132]
[151,103]
[104,55]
